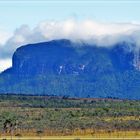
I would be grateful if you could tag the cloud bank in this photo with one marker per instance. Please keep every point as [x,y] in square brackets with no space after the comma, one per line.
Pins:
[99,33]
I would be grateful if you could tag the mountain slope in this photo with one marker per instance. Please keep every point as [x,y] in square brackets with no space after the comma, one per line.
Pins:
[64,68]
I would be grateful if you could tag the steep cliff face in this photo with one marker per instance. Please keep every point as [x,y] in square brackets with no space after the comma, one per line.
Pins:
[136,60]
[42,58]
[65,57]
[61,67]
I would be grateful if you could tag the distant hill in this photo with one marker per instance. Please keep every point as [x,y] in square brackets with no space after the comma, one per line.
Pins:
[64,68]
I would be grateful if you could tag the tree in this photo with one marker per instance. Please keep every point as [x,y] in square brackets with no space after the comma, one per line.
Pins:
[9,125]
[39,133]
[18,135]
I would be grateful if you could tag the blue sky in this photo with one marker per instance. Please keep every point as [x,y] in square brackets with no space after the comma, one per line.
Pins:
[15,13]
[31,21]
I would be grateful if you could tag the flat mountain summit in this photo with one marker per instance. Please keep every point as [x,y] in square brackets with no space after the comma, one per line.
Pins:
[65,68]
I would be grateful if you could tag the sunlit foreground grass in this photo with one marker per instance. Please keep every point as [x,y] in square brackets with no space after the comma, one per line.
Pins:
[66,138]
[130,135]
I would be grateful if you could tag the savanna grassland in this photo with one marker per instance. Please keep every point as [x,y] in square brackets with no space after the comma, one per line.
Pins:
[45,116]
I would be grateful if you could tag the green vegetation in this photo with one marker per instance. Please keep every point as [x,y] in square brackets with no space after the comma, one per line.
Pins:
[124,85]
[66,116]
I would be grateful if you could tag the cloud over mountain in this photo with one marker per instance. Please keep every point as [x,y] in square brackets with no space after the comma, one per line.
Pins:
[102,34]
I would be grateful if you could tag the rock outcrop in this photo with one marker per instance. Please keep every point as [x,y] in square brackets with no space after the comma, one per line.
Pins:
[61,67]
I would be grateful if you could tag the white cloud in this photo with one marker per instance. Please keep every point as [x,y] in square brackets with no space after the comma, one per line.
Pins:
[4,36]
[5,63]
[102,34]
[83,30]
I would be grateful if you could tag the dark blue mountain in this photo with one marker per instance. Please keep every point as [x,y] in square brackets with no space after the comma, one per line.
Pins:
[64,68]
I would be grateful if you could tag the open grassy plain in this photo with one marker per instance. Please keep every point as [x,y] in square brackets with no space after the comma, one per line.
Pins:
[50,117]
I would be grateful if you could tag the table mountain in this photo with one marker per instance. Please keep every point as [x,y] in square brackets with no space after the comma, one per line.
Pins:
[65,68]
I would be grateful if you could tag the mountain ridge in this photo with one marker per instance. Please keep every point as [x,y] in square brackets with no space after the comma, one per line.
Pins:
[65,68]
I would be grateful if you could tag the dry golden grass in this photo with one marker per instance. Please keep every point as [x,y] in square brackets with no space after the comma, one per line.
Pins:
[67,138]
[123,118]
[77,134]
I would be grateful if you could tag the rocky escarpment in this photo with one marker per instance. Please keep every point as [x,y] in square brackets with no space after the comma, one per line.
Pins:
[65,57]
[136,60]
[61,67]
